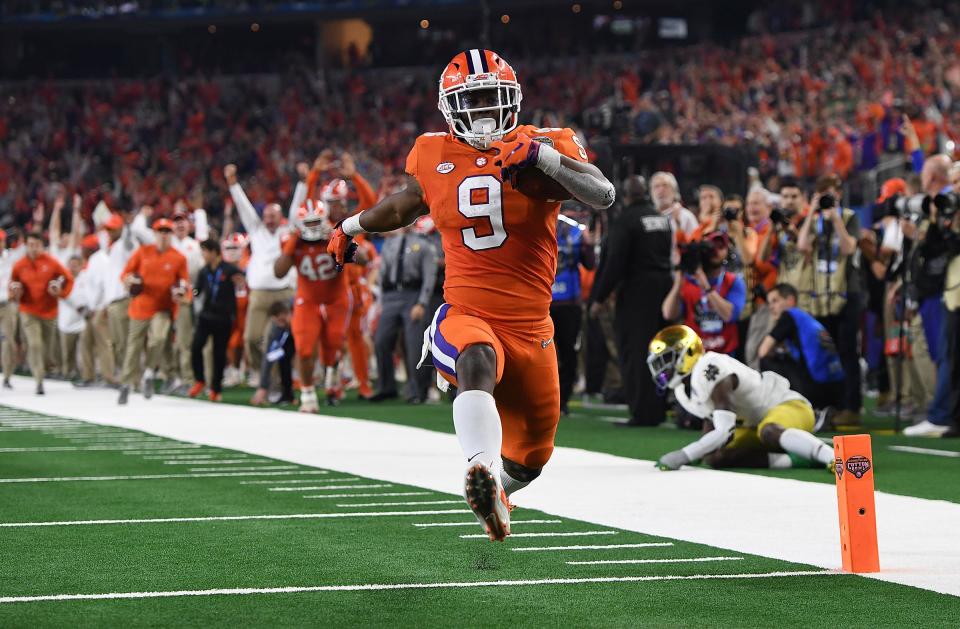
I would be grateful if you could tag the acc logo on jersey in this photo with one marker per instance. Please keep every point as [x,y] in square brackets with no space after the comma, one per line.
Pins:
[444,167]
[858,465]
[481,161]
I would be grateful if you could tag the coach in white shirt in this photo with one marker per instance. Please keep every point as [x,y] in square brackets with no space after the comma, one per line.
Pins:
[71,317]
[8,308]
[265,287]
[96,345]
[120,244]
[190,248]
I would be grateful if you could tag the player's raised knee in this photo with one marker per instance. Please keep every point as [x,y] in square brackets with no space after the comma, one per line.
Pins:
[477,368]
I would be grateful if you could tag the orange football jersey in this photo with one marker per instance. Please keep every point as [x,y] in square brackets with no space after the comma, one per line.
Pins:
[500,245]
[318,281]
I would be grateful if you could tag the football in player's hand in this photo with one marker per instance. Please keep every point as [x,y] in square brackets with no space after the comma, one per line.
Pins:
[536,184]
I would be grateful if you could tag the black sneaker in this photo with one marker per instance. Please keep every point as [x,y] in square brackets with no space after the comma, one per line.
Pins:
[6,383]
[146,387]
[124,394]
[40,388]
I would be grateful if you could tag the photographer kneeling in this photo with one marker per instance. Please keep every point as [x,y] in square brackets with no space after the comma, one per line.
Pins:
[708,297]
[800,349]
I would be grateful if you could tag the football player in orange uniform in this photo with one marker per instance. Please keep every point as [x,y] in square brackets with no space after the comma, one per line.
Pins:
[492,338]
[322,304]
[358,274]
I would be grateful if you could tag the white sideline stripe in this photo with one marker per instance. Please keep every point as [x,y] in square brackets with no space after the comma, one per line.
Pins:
[474,523]
[244,469]
[100,448]
[63,479]
[232,518]
[330,487]
[389,493]
[206,462]
[409,502]
[433,462]
[591,547]
[409,586]
[569,534]
[915,450]
[604,562]
[302,480]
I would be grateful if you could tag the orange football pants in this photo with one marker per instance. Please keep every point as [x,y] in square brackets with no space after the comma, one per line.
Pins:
[325,324]
[528,382]
[357,346]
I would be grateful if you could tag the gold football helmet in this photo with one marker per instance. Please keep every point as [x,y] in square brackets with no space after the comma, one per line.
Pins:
[672,354]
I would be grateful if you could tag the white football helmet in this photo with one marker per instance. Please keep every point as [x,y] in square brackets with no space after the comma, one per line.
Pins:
[313,221]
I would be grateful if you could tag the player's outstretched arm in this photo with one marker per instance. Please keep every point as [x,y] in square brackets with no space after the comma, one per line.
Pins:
[581,179]
[723,421]
[393,212]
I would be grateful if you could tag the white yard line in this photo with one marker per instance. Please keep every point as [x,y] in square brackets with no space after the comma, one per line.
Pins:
[915,450]
[242,469]
[302,480]
[474,523]
[232,518]
[193,457]
[367,587]
[65,479]
[161,449]
[167,461]
[604,562]
[611,491]
[529,549]
[124,449]
[404,504]
[330,487]
[388,493]
[565,534]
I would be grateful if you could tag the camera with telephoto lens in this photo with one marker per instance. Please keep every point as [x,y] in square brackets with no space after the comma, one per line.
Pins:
[826,202]
[694,255]
[731,212]
[779,216]
[916,207]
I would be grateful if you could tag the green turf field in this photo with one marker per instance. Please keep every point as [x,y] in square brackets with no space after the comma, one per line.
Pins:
[360,552]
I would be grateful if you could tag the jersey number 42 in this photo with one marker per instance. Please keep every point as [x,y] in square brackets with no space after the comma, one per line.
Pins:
[320,267]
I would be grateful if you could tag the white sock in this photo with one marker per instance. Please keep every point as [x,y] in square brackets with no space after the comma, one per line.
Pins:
[779,461]
[477,423]
[511,484]
[805,445]
[148,373]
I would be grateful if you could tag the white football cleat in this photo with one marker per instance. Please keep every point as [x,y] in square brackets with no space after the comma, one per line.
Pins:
[308,401]
[488,501]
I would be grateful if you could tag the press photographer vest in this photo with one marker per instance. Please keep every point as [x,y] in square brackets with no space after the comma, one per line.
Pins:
[817,350]
[823,289]
[717,334]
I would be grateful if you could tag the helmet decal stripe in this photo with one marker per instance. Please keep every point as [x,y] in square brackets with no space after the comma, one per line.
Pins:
[470,67]
[477,62]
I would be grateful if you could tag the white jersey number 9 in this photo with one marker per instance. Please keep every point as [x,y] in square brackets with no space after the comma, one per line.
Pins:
[481,196]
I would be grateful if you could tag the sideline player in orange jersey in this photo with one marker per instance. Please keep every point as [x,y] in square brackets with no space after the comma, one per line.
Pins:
[321,307]
[492,338]
[358,276]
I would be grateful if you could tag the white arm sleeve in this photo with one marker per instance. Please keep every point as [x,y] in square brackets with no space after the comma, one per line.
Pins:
[597,193]
[141,231]
[248,214]
[299,196]
[723,425]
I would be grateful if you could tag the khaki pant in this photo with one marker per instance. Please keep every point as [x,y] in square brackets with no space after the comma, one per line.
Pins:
[8,328]
[155,331]
[95,340]
[119,321]
[184,341]
[919,372]
[55,362]
[39,334]
[257,319]
[69,342]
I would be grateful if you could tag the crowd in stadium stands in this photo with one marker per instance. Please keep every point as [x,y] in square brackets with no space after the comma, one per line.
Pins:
[154,247]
